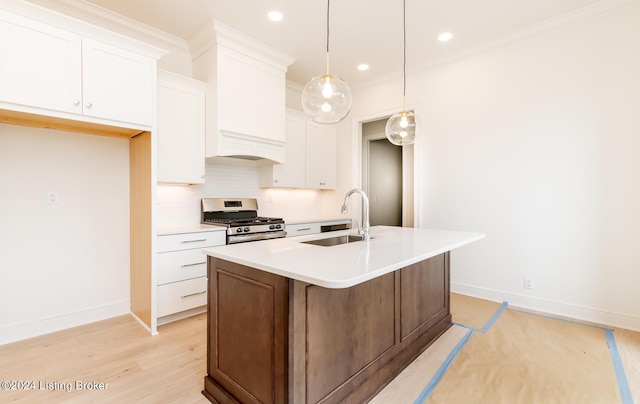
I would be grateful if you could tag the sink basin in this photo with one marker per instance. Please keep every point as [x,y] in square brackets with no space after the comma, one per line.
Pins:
[331,241]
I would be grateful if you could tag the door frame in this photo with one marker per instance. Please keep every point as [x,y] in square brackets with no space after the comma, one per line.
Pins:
[411,165]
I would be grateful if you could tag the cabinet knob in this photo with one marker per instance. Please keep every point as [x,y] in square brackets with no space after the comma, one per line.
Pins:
[76,102]
[275,181]
[89,105]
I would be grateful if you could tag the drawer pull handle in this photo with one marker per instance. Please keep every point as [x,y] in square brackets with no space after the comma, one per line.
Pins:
[193,241]
[305,229]
[192,265]
[193,294]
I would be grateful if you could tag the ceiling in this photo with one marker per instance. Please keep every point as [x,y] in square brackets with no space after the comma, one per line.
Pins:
[361,31]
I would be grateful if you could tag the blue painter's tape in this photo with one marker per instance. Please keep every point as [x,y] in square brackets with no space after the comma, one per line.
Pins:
[495,316]
[424,395]
[489,323]
[623,385]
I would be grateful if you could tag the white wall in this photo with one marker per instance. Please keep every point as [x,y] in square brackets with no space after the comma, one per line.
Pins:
[537,144]
[66,264]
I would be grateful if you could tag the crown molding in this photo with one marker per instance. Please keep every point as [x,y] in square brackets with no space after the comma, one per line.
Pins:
[104,18]
[216,33]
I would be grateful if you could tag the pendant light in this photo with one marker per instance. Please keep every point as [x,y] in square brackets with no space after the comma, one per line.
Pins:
[401,128]
[326,98]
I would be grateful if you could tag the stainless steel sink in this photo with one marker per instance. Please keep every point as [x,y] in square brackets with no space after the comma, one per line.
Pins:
[331,241]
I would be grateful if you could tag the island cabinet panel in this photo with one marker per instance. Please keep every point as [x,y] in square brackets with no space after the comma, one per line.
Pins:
[347,330]
[272,339]
[421,310]
[247,335]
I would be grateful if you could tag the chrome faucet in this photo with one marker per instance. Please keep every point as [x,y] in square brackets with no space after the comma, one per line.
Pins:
[365,228]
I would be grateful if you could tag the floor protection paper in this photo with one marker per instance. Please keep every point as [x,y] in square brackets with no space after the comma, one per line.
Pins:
[518,357]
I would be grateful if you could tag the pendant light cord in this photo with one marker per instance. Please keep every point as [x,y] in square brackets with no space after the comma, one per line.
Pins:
[327,26]
[404,55]
[327,37]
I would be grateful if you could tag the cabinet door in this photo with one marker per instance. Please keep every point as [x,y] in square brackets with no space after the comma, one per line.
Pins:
[321,149]
[181,132]
[117,84]
[291,174]
[40,66]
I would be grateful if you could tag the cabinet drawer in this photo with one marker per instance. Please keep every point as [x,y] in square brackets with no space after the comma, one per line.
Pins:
[175,242]
[180,265]
[180,296]
[302,229]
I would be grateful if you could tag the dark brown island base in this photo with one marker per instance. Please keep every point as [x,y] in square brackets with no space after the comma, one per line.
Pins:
[273,339]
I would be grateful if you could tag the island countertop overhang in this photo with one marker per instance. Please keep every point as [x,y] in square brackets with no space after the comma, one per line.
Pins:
[345,265]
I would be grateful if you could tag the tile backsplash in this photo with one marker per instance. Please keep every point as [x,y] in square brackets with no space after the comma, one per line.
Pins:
[178,205]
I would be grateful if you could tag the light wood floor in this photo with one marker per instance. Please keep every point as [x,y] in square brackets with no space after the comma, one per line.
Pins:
[170,367]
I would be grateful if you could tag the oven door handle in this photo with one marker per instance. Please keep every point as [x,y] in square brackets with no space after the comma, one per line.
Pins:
[255,236]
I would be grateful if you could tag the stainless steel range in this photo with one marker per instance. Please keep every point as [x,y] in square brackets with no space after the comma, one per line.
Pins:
[240,217]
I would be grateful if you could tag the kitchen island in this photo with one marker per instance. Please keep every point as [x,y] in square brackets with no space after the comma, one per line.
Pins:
[294,322]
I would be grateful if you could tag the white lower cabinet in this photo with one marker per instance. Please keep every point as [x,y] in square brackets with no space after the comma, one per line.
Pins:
[302,229]
[181,276]
[181,296]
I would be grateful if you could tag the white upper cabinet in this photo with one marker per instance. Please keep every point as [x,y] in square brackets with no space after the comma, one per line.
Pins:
[291,174]
[53,71]
[117,84]
[180,129]
[245,93]
[321,146]
[311,156]
[40,65]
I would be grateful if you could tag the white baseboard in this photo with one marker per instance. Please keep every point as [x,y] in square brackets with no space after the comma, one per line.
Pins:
[551,307]
[30,329]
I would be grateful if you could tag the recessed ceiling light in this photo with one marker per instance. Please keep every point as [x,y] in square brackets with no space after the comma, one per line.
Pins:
[445,36]
[275,15]
[363,67]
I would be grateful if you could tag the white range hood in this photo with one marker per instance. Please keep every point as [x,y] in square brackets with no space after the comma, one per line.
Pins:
[246,85]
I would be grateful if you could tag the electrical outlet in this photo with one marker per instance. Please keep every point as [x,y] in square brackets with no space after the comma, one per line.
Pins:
[52,198]
[528,282]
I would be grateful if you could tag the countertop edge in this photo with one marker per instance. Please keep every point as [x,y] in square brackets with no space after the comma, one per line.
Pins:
[342,283]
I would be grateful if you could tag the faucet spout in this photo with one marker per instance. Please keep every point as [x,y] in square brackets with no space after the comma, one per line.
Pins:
[364,228]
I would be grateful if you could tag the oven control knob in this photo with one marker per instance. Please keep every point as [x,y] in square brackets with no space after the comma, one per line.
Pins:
[239,230]
[271,227]
[246,230]
[278,226]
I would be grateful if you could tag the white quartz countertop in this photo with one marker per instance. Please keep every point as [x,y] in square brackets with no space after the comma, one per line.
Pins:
[344,265]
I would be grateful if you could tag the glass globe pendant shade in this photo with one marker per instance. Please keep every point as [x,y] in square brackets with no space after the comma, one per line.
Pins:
[326,99]
[401,128]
